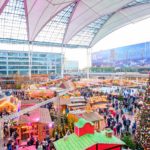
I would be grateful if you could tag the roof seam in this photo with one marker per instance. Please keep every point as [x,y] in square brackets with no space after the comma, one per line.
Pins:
[100,29]
[32,6]
[39,20]
[119,20]
[90,22]
[51,19]
[76,4]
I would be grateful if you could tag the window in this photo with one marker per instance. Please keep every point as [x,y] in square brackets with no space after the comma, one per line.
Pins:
[3,72]
[12,54]
[23,54]
[2,67]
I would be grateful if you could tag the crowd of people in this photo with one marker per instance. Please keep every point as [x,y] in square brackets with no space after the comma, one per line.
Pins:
[46,144]
[4,112]
[12,142]
[121,120]
[20,94]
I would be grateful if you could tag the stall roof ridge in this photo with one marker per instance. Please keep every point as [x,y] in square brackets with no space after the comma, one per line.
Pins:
[82,122]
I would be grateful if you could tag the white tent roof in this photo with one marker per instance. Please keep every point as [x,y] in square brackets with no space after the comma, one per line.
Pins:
[88,11]
[40,12]
[122,18]
[73,22]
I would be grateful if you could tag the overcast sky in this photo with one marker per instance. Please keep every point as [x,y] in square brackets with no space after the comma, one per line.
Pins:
[132,34]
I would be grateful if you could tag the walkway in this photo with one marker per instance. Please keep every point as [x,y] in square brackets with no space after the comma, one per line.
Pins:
[28,148]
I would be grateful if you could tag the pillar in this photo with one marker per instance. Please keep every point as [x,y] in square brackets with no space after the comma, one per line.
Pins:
[7,66]
[62,61]
[58,112]
[1,135]
[88,62]
[30,59]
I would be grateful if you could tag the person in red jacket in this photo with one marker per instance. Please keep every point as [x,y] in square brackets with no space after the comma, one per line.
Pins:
[115,130]
[123,117]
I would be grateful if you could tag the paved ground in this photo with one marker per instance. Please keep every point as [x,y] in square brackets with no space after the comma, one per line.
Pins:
[28,148]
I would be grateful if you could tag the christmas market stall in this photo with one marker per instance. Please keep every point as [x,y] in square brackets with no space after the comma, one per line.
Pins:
[77,103]
[92,116]
[34,123]
[98,100]
[84,137]
[9,104]
[41,94]
[95,118]
[67,102]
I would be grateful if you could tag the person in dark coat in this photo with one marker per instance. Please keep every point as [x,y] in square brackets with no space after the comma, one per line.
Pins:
[108,122]
[128,122]
[9,145]
[15,135]
[37,144]
[118,127]
[117,117]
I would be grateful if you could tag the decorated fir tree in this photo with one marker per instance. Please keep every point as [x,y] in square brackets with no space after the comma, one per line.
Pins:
[143,122]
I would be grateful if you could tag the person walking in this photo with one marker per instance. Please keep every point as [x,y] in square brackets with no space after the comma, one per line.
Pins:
[124,123]
[40,147]
[37,144]
[121,112]
[115,130]
[5,147]
[44,144]
[117,117]
[9,145]
[118,128]
[128,122]
[133,128]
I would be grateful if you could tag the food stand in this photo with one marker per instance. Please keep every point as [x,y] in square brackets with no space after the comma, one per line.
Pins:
[36,123]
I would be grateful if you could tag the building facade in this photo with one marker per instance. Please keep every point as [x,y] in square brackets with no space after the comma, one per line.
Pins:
[137,55]
[132,58]
[71,66]
[12,62]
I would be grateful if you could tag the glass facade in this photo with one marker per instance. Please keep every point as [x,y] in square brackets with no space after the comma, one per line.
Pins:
[137,55]
[71,66]
[12,62]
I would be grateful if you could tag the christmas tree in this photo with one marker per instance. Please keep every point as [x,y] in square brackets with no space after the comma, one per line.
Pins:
[143,121]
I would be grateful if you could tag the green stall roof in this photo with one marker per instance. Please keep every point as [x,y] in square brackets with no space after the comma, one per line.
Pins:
[81,122]
[73,142]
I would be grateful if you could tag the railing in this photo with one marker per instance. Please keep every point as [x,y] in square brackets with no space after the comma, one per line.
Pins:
[26,110]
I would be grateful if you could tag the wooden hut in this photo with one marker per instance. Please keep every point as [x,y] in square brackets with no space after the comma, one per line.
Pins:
[8,106]
[36,122]
[92,116]
[95,118]
[89,139]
